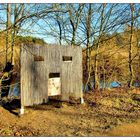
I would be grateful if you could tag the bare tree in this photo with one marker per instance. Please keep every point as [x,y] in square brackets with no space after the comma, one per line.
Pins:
[88,44]
[96,77]
[18,12]
[74,18]
[8,24]
[130,84]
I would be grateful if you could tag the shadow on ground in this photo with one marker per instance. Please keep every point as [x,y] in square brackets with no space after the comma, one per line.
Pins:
[12,106]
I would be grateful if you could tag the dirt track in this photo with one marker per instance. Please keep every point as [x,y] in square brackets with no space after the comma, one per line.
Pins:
[97,117]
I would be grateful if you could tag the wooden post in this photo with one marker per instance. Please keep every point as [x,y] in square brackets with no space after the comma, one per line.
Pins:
[82,100]
[21,112]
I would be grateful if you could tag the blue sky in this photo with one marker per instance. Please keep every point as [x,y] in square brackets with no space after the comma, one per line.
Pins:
[42,30]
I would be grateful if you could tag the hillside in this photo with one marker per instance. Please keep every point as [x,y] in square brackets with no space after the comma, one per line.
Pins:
[113,58]
[18,41]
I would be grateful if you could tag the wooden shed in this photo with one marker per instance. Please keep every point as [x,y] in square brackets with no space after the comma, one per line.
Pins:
[50,70]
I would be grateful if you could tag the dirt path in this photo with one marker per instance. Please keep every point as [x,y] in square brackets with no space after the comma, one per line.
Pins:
[104,115]
[78,120]
[49,121]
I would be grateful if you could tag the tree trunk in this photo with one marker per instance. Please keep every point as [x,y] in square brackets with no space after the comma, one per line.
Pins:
[60,32]
[88,51]
[14,32]
[8,31]
[96,74]
[12,45]
[73,36]
[130,84]
[74,21]
[88,32]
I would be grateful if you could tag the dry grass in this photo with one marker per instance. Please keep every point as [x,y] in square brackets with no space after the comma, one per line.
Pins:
[103,114]
[131,129]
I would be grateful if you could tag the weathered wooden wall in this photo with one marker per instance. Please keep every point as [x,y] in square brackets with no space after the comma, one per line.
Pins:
[35,74]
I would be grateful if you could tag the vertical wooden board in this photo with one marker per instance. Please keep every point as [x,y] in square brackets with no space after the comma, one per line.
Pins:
[77,72]
[36,83]
[26,74]
[66,70]
[43,76]
[32,81]
[22,69]
[54,53]
[40,78]
[30,70]
[66,81]
[72,72]
[42,82]
[23,75]
[46,71]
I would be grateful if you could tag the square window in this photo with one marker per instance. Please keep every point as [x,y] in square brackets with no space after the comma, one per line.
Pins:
[67,58]
[38,58]
[54,75]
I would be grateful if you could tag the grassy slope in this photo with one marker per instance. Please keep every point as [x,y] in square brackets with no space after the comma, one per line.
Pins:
[128,129]
[16,52]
